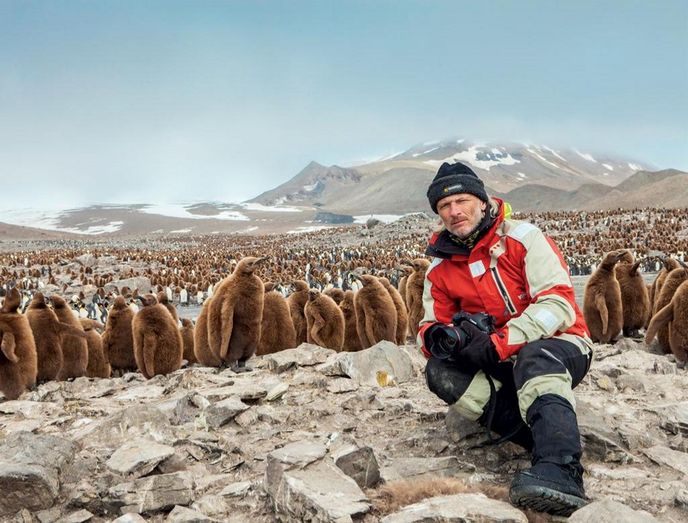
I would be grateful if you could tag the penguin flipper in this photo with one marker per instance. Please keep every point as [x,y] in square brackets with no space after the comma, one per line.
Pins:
[659,320]
[318,324]
[8,345]
[601,305]
[227,325]
[65,329]
[214,325]
[150,345]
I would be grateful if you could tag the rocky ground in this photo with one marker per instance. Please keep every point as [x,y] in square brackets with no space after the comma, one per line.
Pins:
[312,435]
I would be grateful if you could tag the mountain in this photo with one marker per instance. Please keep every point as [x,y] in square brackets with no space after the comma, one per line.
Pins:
[397,184]
[530,177]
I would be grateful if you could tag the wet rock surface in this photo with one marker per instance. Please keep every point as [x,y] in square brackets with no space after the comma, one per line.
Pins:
[310,435]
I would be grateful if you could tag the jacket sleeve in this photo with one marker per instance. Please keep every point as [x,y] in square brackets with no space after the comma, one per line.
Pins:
[438,307]
[552,299]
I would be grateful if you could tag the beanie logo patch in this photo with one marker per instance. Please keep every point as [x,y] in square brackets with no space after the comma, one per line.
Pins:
[456,187]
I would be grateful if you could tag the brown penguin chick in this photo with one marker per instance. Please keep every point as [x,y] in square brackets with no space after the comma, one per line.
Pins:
[673,280]
[297,301]
[157,341]
[414,293]
[324,321]
[376,316]
[98,364]
[18,359]
[335,293]
[235,315]
[635,302]
[406,269]
[48,339]
[352,342]
[163,300]
[602,301]
[400,306]
[202,351]
[674,317]
[277,329]
[187,330]
[118,340]
[669,264]
[74,348]
[48,332]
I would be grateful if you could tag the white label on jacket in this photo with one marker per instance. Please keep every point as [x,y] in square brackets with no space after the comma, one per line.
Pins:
[477,268]
[547,319]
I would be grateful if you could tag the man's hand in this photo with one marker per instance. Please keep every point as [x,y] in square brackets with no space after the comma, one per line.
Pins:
[480,350]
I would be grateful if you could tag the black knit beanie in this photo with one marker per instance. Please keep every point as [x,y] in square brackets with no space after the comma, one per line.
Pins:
[454,179]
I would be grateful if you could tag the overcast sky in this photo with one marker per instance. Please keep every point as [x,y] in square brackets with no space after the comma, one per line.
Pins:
[156,101]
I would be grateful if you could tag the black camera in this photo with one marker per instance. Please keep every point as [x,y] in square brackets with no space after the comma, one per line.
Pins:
[447,340]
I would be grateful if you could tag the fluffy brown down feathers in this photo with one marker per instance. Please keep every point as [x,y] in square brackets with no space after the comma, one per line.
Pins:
[157,340]
[277,329]
[376,316]
[673,316]
[324,321]
[414,292]
[18,359]
[74,347]
[602,307]
[297,301]
[234,314]
[118,339]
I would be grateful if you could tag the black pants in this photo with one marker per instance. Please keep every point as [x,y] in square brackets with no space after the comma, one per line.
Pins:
[548,366]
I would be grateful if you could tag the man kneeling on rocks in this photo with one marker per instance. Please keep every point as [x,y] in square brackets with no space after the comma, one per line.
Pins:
[505,339]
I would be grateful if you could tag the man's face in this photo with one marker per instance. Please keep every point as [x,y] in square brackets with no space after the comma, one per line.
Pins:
[461,213]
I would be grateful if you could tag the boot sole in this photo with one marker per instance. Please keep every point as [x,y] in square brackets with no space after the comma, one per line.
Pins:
[543,499]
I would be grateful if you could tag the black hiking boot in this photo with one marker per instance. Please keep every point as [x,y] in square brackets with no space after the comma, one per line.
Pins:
[554,484]
[549,487]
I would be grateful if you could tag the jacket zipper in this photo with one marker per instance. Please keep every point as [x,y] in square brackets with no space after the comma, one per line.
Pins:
[502,290]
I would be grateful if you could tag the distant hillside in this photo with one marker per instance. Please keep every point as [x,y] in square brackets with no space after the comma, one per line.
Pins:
[668,188]
[398,184]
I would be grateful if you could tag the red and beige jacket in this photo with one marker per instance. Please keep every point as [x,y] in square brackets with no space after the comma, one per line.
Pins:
[516,274]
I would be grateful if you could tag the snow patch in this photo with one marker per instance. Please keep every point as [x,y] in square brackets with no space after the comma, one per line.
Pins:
[180,231]
[555,153]
[521,175]
[541,158]
[50,220]
[269,208]
[390,156]
[635,166]
[309,188]
[175,210]
[477,158]
[95,229]
[384,218]
[608,167]
[415,155]
[585,156]
[310,228]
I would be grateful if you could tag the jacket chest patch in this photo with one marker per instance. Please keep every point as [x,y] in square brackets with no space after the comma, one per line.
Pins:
[477,268]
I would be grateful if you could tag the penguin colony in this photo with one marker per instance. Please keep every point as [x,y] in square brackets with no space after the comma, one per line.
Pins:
[362,296]
[242,318]
[617,302]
